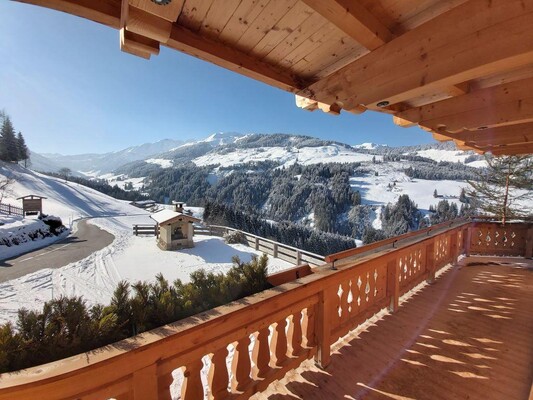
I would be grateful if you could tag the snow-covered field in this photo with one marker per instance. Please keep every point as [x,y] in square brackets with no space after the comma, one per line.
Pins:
[391,182]
[127,258]
[304,156]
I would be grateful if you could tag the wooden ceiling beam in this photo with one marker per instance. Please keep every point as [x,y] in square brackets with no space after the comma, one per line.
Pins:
[512,134]
[501,105]
[169,12]
[511,150]
[141,44]
[148,25]
[107,13]
[475,39]
[354,19]
[222,55]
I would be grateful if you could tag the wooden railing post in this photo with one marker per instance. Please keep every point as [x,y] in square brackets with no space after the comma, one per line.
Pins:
[393,284]
[256,243]
[275,250]
[145,383]
[192,387]
[468,239]
[529,242]
[298,257]
[454,248]
[323,327]
[430,262]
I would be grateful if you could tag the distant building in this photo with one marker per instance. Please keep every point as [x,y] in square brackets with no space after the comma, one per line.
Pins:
[175,229]
[143,203]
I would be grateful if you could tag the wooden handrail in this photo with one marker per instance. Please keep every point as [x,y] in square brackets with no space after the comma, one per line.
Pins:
[392,241]
[283,326]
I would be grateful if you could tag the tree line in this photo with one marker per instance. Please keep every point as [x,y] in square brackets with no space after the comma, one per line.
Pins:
[12,145]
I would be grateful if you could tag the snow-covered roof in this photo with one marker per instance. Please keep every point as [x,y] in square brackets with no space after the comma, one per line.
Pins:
[168,215]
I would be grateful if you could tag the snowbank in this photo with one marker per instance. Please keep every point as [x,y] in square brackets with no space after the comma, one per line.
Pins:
[19,235]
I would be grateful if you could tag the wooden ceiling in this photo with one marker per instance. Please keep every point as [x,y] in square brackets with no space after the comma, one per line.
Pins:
[460,69]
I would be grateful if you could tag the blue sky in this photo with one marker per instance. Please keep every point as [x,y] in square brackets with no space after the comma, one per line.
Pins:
[69,89]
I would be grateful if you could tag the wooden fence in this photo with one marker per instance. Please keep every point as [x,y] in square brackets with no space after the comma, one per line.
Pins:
[271,247]
[282,326]
[139,229]
[11,210]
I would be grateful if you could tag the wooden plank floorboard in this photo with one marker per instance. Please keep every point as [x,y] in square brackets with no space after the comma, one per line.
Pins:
[468,336]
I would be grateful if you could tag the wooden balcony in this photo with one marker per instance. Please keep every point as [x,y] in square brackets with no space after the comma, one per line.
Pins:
[466,335]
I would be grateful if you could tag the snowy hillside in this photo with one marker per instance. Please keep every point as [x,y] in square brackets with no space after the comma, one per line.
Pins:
[129,257]
[285,156]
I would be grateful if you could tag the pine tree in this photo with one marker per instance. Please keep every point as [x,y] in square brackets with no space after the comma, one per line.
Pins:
[23,151]
[8,141]
[504,187]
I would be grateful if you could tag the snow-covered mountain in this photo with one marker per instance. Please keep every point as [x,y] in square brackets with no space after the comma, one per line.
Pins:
[229,148]
[96,164]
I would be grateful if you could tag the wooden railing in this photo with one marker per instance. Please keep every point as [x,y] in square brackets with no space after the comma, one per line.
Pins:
[276,249]
[236,350]
[139,229]
[511,239]
[11,210]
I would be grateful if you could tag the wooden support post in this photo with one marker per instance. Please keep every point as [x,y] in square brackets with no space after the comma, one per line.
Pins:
[454,248]
[468,239]
[393,285]
[275,250]
[298,257]
[529,242]
[430,262]
[145,383]
[323,328]
[256,243]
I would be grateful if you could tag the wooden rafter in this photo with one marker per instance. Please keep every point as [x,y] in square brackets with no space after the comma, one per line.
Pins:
[500,105]
[447,51]
[169,12]
[353,19]
[512,134]
[510,150]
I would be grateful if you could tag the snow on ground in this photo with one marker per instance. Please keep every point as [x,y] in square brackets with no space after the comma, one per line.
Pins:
[376,190]
[451,156]
[127,258]
[304,156]
[19,230]
[163,163]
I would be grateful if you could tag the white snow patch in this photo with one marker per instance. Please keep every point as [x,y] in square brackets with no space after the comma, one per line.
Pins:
[163,163]
[305,156]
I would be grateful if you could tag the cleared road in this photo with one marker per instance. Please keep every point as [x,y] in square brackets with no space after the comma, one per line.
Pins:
[87,239]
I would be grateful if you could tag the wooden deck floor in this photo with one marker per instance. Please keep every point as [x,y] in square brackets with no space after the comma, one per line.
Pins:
[468,336]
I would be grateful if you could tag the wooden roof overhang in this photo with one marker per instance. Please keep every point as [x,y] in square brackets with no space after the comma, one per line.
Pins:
[460,69]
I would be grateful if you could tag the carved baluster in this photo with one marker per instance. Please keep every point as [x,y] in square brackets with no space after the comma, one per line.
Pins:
[218,375]
[309,326]
[261,354]
[241,365]
[279,340]
[295,334]
[163,383]
[192,388]
[344,301]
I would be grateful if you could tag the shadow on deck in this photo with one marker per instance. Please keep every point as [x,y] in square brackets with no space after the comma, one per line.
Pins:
[468,336]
